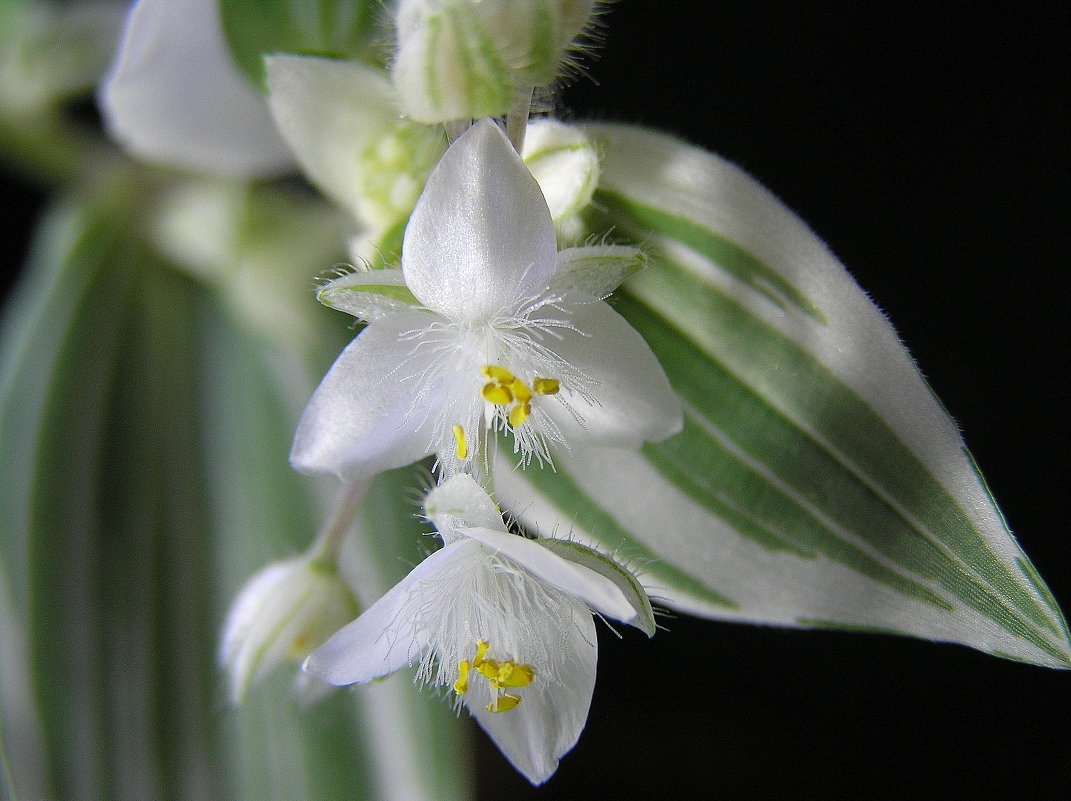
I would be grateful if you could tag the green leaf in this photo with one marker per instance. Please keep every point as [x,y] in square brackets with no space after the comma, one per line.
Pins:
[817,481]
[336,28]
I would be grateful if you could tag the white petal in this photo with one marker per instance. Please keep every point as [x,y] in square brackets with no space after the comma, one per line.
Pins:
[631,400]
[330,113]
[596,271]
[545,726]
[371,412]
[459,502]
[175,95]
[480,239]
[598,592]
[386,636]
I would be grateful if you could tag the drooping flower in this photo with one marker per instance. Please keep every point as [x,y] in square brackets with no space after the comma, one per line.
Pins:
[281,614]
[502,622]
[485,326]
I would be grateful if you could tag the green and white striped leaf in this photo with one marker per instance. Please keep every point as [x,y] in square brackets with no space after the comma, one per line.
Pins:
[817,481]
[101,519]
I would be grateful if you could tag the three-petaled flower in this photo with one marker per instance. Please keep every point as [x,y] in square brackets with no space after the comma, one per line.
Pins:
[486,326]
[502,621]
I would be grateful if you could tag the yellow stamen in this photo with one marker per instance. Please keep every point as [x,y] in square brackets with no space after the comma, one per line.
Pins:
[489,670]
[520,391]
[461,686]
[496,394]
[506,674]
[514,674]
[499,675]
[519,413]
[503,703]
[494,372]
[461,449]
[545,386]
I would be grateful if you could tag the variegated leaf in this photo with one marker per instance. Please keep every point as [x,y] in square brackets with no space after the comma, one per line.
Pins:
[818,481]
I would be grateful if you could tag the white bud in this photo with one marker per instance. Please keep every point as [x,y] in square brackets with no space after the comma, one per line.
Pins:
[566,165]
[466,59]
[281,615]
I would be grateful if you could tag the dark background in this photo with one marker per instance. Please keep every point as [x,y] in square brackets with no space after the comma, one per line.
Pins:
[926,143]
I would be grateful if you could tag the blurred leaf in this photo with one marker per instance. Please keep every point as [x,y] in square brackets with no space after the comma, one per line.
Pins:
[817,482]
[336,28]
[51,51]
[401,745]
[143,439]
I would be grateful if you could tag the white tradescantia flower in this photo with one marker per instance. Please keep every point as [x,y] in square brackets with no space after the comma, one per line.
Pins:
[466,59]
[485,326]
[283,613]
[501,621]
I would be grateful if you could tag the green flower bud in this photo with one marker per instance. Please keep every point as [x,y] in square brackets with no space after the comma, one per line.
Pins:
[466,59]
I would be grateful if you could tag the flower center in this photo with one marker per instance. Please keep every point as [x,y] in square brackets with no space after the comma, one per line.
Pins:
[499,676]
[505,389]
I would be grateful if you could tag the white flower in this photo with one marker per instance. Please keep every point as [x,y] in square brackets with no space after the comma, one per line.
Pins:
[484,326]
[175,95]
[284,612]
[501,621]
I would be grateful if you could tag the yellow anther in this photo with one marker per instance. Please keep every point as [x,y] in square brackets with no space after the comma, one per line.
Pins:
[461,449]
[489,670]
[503,703]
[519,413]
[461,686]
[514,674]
[545,386]
[506,674]
[520,391]
[494,372]
[499,675]
[496,394]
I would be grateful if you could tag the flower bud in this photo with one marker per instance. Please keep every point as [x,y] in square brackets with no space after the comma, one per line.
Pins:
[466,59]
[564,162]
[281,615]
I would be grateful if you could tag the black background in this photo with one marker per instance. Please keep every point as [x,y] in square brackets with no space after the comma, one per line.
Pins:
[925,142]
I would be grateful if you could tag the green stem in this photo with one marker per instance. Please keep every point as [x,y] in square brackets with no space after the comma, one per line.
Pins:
[329,540]
[517,118]
[454,129]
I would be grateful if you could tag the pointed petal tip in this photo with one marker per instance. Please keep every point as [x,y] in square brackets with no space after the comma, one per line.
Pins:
[481,237]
